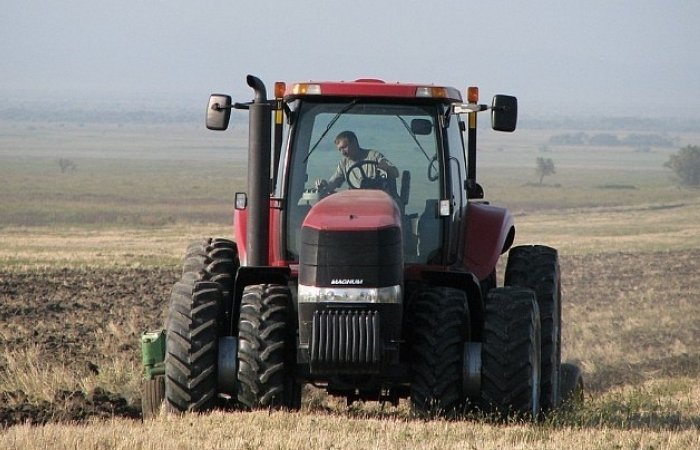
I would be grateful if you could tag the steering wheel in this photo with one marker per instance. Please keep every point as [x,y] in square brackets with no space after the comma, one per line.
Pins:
[433,171]
[373,182]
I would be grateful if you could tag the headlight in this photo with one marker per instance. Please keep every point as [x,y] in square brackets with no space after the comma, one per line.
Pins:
[313,294]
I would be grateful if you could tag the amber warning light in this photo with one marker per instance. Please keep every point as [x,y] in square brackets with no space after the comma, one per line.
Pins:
[280,87]
[473,94]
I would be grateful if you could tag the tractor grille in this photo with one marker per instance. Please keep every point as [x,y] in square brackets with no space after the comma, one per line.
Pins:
[345,341]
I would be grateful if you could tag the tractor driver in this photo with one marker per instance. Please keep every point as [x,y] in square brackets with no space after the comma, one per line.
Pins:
[357,166]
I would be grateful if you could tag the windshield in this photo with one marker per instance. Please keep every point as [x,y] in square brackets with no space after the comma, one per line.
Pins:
[402,142]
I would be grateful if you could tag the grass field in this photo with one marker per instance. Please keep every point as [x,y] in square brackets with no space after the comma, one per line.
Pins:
[87,258]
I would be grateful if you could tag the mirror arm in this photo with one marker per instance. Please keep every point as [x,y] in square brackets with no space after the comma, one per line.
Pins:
[462,108]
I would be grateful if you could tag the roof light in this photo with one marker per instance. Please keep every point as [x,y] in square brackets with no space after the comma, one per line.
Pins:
[431,92]
[306,89]
[473,94]
[280,87]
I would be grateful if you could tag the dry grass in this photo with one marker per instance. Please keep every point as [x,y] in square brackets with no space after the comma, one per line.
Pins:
[632,317]
[580,231]
[26,370]
[322,431]
[37,248]
[639,228]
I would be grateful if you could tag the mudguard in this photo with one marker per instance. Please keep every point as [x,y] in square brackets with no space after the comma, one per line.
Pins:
[490,233]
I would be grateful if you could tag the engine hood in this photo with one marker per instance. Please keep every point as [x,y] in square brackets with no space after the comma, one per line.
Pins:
[354,210]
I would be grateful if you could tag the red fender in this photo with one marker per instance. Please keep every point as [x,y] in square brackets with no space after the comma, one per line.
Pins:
[490,233]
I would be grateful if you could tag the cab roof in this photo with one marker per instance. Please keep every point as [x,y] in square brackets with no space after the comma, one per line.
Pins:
[369,87]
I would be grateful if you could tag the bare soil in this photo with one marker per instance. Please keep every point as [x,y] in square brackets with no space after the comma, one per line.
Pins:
[628,318]
[81,320]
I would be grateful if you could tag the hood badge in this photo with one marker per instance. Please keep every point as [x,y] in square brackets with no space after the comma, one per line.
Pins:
[347,281]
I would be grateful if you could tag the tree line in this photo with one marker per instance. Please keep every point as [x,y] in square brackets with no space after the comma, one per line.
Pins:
[613,140]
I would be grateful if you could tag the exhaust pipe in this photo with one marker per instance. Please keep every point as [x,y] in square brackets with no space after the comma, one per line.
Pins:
[259,150]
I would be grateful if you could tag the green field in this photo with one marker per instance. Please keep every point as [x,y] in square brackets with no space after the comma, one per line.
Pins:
[628,236]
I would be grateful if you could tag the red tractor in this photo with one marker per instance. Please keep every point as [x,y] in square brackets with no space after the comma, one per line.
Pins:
[369,271]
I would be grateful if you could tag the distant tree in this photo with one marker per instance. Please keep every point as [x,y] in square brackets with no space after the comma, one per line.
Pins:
[66,165]
[569,139]
[686,164]
[545,166]
[604,140]
[648,140]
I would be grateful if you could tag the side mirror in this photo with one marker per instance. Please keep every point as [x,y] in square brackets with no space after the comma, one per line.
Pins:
[218,111]
[504,113]
[421,126]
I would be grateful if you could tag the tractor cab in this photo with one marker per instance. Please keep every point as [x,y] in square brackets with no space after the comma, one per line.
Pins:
[408,135]
[417,129]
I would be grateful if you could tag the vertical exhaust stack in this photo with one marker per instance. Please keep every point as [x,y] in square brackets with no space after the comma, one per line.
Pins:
[259,149]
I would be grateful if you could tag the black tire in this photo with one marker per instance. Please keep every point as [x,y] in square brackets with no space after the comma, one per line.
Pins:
[571,386]
[213,259]
[537,267]
[438,320]
[152,396]
[267,349]
[510,354]
[199,314]
[192,346]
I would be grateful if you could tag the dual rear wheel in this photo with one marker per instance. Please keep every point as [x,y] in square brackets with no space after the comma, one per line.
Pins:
[199,314]
[510,353]
[536,267]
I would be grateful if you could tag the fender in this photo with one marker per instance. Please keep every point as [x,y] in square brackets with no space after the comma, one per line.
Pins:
[490,233]
[466,282]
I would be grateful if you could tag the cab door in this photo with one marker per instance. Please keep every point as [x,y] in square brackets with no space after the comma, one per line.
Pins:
[456,173]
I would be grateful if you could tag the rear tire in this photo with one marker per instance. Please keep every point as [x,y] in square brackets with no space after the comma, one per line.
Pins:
[192,347]
[152,396]
[510,354]
[537,267]
[213,259]
[439,321]
[266,349]
[199,314]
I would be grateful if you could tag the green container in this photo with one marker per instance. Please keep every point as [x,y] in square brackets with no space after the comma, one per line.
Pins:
[153,353]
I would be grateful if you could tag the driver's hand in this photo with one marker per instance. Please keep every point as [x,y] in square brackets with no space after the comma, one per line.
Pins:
[321,184]
[383,165]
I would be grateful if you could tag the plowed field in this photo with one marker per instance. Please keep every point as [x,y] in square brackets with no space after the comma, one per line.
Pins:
[85,324]
[70,338]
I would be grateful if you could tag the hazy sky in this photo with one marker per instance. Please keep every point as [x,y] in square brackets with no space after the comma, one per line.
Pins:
[607,57]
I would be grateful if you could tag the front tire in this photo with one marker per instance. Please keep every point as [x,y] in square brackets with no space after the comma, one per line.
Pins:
[510,354]
[266,349]
[439,320]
